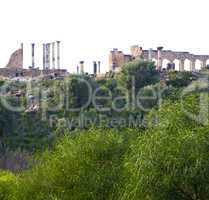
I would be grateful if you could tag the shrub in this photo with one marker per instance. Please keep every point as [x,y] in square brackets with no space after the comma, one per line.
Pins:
[171,160]
[8,183]
[87,166]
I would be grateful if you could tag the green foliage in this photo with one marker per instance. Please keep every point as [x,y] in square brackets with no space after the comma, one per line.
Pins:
[138,74]
[86,166]
[180,79]
[8,184]
[150,96]
[174,167]
[167,160]
[79,91]
[171,160]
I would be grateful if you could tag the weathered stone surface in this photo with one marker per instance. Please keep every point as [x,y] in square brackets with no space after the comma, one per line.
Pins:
[117,58]
[20,72]
[16,60]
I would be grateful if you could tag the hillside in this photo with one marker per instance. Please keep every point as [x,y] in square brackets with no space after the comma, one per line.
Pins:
[138,137]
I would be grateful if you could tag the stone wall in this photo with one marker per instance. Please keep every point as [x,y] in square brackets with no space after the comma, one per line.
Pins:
[117,58]
[172,55]
[16,59]
[18,72]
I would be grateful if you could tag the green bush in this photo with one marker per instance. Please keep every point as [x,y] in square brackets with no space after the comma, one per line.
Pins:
[171,160]
[8,184]
[138,74]
[88,166]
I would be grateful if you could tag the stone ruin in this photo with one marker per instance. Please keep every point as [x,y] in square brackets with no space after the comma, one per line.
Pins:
[16,60]
[14,68]
[164,59]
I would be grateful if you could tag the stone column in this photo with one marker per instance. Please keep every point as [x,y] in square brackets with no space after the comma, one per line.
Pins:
[159,58]
[33,55]
[150,55]
[53,55]
[99,65]
[192,65]
[95,67]
[49,54]
[181,65]
[44,56]
[204,63]
[21,46]
[77,69]
[58,54]
[82,67]
[48,64]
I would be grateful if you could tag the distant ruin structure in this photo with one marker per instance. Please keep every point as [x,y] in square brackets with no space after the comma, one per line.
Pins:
[53,55]
[58,54]
[33,55]
[82,67]
[14,68]
[117,59]
[96,67]
[16,59]
[163,59]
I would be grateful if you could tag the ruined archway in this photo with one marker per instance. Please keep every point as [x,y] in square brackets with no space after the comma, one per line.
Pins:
[165,63]
[187,65]
[177,64]
[198,64]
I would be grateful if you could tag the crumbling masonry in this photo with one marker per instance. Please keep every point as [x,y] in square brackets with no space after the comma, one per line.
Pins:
[164,59]
[15,68]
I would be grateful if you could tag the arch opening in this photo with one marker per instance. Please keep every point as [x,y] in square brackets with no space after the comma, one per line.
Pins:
[165,64]
[177,64]
[198,64]
[187,65]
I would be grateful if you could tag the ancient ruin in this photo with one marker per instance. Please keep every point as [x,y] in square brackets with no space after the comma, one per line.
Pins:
[16,59]
[15,68]
[164,59]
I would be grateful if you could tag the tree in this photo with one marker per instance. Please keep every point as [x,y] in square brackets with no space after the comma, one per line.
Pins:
[171,160]
[180,79]
[138,74]
[82,167]
[79,91]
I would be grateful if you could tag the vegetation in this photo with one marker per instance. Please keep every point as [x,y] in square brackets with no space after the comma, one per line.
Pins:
[165,158]
[138,74]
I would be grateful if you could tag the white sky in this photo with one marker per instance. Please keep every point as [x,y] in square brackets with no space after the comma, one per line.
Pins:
[89,29]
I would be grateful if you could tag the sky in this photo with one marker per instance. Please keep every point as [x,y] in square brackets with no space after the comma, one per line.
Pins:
[89,29]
